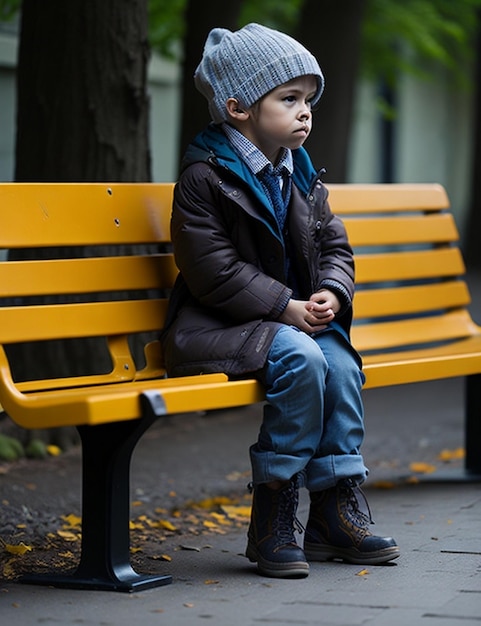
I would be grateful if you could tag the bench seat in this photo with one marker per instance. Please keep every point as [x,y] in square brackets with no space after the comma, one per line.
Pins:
[116,402]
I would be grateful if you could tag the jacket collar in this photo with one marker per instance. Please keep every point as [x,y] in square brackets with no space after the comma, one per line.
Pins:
[212,145]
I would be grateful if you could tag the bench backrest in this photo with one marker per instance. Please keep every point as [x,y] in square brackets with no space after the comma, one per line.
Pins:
[89,295]
[408,268]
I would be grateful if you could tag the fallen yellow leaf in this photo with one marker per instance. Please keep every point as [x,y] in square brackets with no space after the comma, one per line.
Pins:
[209,524]
[20,549]
[135,525]
[363,572]
[422,468]
[237,512]
[221,519]
[54,450]
[67,535]
[72,520]
[212,503]
[8,570]
[166,525]
[384,484]
[452,455]
[161,510]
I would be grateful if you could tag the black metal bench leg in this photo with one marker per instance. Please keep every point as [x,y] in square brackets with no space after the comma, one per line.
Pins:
[105,556]
[473,425]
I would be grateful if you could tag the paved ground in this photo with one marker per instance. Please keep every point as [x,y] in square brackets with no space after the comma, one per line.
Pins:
[436,521]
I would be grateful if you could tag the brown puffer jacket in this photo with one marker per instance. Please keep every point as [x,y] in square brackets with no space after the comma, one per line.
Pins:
[232,283]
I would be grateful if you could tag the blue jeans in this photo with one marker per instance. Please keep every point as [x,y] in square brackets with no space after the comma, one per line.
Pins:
[313,422]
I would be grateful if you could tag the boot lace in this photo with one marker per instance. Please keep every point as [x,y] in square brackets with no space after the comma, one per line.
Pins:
[356,516]
[286,520]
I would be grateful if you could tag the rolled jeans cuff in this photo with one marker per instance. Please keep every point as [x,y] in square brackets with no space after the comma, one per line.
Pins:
[319,474]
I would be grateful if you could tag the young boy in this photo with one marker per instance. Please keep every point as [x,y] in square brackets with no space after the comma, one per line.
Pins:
[265,289]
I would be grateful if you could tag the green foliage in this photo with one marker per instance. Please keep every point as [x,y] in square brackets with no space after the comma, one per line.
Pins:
[413,34]
[9,9]
[36,449]
[10,448]
[280,14]
[398,37]
[166,25]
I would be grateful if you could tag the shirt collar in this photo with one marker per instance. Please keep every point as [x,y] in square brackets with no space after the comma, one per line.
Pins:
[255,159]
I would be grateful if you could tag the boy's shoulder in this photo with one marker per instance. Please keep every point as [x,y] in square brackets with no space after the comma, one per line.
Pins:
[210,146]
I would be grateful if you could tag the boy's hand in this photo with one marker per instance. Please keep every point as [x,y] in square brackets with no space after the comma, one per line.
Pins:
[324,305]
[313,315]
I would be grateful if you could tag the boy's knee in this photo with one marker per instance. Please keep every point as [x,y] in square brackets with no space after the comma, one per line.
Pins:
[300,351]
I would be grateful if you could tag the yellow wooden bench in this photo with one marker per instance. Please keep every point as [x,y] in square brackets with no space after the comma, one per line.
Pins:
[411,325]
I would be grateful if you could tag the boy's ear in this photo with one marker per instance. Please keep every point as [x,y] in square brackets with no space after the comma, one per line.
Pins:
[235,110]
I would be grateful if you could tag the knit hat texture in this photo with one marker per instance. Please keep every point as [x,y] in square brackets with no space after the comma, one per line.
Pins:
[249,63]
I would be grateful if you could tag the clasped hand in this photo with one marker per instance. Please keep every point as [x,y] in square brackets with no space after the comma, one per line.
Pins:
[314,314]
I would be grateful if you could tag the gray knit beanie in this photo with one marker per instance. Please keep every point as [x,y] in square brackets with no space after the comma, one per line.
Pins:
[248,63]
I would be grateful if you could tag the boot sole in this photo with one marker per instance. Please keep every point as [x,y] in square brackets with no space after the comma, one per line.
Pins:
[294,569]
[323,552]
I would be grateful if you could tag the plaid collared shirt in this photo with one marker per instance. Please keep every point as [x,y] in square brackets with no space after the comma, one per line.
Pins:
[254,158]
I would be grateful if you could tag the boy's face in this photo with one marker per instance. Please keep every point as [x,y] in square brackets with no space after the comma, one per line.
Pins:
[282,118]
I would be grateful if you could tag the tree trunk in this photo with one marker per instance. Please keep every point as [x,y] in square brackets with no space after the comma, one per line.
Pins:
[473,251]
[199,20]
[83,115]
[331,30]
[81,93]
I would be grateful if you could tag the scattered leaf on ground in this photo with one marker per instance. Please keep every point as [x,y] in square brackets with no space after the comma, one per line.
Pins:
[422,468]
[67,535]
[72,520]
[54,450]
[237,512]
[363,572]
[384,484]
[20,548]
[452,455]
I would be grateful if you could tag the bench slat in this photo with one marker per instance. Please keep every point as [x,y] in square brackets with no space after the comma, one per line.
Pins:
[419,229]
[382,198]
[75,276]
[417,331]
[119,213]
[459,358]
[373,303]
[90,319]
[394,266]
